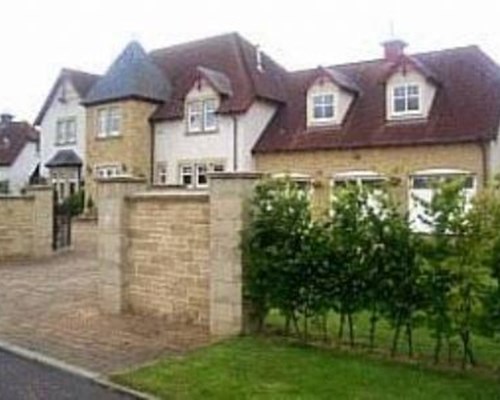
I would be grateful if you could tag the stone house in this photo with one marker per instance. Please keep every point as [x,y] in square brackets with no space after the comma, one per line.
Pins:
[19,154]
[174,115]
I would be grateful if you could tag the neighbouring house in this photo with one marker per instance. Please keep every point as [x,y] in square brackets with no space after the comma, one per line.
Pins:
[62,123]
[176,114]
[19,154]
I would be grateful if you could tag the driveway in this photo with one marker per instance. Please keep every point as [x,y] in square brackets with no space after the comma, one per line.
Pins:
[51,307]
[23,379]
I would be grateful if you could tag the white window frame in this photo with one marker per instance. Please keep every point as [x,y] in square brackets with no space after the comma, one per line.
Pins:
[323,104]
[161,173]
[415,208]
[108,171]
[195,167]
[303,181]
[201,109]
[65,135]
[109,121]
[406,98]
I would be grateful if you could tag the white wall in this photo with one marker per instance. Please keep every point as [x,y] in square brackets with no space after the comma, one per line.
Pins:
[57,110]
[18,174]
[427,92]
[174,145]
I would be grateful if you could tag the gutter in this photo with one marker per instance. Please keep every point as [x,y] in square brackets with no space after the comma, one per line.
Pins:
[235,143]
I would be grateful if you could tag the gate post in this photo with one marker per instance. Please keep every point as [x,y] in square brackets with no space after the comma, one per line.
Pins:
[229,197]
[112,239]
[42,219]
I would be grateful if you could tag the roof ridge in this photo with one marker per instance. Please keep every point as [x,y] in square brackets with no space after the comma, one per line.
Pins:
[78,71]
[192,42]
[380,59]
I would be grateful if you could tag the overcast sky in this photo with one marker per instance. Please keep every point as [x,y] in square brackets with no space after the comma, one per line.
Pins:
[38,38]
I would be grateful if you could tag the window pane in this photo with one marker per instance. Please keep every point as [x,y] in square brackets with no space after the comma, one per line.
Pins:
[399,91]
[114,120]
[195,116]
[328,111]
[218,168]
[413,104]
[201,175]
[399,105]
[209,115]
[413,90]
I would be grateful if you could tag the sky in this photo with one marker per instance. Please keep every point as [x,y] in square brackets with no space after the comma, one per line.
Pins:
[38,38]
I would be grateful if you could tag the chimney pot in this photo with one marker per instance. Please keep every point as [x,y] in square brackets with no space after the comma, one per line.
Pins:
[394,49]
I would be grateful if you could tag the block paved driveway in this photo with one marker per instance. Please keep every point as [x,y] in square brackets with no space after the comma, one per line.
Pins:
[51,307]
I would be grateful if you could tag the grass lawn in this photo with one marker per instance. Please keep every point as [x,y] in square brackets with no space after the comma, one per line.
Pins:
[260,368]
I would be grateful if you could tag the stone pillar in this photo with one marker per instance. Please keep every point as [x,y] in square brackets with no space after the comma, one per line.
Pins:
[43,220]
[112,239]
[229,197]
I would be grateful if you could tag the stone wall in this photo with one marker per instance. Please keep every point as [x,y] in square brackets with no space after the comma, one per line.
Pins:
[174,253]
[168,256]
[84,234]
[26,225]
[397,162]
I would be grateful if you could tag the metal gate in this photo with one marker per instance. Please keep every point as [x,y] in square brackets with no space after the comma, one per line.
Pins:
[61,235]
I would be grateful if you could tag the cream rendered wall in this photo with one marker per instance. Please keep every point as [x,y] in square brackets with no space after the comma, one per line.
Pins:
[427,92]
[342,101]
[57,110]
[494,156]
[18,174]
[175,145]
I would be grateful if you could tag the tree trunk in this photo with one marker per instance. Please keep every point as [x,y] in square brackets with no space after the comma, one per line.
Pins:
[409,335]
[373,327]
[295,324]
[450,350]
[395,339]
[351,329]
[341,327]
[325,326]
[437,348]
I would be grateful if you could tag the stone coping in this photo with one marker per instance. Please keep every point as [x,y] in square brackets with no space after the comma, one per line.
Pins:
[85,218]
[34,188]
[170,195]
[17,197]
[121,179]
[235,175]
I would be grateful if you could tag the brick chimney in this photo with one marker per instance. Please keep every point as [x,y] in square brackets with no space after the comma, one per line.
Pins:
[394,49]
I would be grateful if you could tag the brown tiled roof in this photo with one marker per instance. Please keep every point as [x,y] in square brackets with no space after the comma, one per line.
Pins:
[466,106]
[229,55]
[13,138]
[81,81]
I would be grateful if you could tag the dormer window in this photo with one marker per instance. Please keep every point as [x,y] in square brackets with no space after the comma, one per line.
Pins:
[323,107]
[202,116]
[406,99]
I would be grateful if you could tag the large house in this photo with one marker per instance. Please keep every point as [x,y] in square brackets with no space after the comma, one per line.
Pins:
[19,154]
[62,121]
[220,104]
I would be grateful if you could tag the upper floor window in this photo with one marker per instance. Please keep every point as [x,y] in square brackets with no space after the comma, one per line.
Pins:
[323,107]
[109,171]
[406,99]
[66,131]
[108,122]
[202,116]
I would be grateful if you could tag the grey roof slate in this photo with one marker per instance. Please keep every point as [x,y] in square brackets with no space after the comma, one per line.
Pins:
[64,158]
[132,74]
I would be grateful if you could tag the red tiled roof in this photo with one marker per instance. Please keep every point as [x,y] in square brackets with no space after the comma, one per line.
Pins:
[466,106]
[81,81]
[228,54]
[13,138]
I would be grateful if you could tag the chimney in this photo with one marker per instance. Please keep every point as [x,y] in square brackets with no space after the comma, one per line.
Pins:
[6,118]
[394,49]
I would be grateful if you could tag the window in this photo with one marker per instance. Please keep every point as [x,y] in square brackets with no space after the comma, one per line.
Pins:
[109,171]
[196,174]
[202,116]
[161,173]
[422,189]
[406,99]
[108,122]
[367,179]
[303,182]
[66,131]
[323,107]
